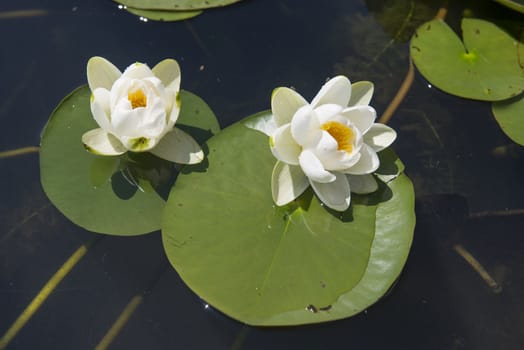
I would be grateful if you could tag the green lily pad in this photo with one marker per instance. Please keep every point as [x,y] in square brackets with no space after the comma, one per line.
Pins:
[175,5]
[113,195]
[517,5]
[298,264]
[510,116]
[164,15]
[484,67]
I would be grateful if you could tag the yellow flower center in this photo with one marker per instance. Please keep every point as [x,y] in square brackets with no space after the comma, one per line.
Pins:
[137,98]
[342,134]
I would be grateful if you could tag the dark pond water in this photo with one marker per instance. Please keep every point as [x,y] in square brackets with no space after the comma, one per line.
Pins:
[467,176]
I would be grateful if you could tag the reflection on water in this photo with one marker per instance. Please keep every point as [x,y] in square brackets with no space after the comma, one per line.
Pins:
[123,293]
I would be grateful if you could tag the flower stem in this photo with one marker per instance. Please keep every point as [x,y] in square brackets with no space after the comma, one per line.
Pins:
[19,151]
[408,80]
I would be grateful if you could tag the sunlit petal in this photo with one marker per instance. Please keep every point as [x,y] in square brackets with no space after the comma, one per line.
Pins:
[313,168]
[335,195]
[361,93]
[287,183]
[380,136]
[168,71]
[327,112]
[305,127]
[335,91]
[367,163]
[101,73]
[98,141]
[101,109]
[177,146]
[285,102]
[283,145]
[362,117]
[138,71]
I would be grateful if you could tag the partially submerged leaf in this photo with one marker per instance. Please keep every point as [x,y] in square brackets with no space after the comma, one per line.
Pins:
[297,264]
[510,116]
[175,5]
[164,15]
[484,67]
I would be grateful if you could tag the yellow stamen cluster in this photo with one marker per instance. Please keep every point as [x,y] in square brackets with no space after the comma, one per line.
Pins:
[137,98]
[342,134]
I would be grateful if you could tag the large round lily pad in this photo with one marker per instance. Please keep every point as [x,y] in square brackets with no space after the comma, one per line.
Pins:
[176,5]
[510,116]
[484,67]
[113,195]
[268,265]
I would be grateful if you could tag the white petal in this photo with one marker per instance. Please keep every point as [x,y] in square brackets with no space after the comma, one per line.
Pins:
[362,117]
[380,136]
[147,121]
[287,183]
[362,184]
[336,195]
[331,158]
[367,163]
[177,146]
[327,112]
[138,71]
[283,145]
[265,124]
[313,168]
[101,73]
[168,71]
[98,141]
[285,102]
[361,93]
[336,91]
[305,127]
[173,105]
[101,109]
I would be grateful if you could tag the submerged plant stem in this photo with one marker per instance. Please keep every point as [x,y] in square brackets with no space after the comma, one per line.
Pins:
[408,80]
[488,213]
[22,13]
[24,221]
[401,94]
[120,322]
[19,151]
[475,264]
[44,293]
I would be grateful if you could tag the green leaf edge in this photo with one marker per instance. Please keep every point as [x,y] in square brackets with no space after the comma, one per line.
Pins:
[512,5]
[137,5]
[163,15]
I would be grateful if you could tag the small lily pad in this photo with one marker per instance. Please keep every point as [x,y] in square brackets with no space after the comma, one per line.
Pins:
[510,116]
[164,15]
[267,265]
[113,195]
[175,5]
[484,67]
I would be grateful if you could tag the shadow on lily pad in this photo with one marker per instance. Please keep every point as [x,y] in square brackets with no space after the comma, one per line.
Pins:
[199,167]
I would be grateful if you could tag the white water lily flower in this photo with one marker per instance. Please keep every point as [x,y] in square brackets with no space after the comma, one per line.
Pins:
[330,143]
[137,110]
